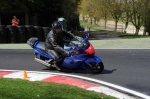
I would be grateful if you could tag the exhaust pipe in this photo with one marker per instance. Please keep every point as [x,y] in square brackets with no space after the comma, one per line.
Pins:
[42,62]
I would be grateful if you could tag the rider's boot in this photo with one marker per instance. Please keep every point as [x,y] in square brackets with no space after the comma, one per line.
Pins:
[48,61]
[58,65]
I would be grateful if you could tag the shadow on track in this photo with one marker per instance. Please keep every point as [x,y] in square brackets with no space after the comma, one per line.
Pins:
[108,71]
[80,71]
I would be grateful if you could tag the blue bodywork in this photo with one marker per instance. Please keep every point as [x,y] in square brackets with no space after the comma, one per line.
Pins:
[77,61]
[41,52]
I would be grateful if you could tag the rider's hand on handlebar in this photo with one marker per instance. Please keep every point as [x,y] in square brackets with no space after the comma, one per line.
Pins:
[73,52]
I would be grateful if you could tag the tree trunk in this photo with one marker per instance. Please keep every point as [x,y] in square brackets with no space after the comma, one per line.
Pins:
[137,31]
[86,19]
[91,20]
[116,25]
[94,20]
[97,22]
[126,26]
[105,22]
[144,32]
[83,18]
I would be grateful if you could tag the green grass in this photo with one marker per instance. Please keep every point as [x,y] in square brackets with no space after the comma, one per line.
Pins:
[119,34]
[23,89]
[88,25]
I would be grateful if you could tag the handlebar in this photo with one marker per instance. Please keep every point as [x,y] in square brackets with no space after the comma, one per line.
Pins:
[82,46]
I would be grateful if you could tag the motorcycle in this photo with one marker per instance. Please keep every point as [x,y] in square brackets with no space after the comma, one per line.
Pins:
[82,57]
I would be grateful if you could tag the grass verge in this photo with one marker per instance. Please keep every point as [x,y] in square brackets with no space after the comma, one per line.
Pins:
[23,89]
[88,25]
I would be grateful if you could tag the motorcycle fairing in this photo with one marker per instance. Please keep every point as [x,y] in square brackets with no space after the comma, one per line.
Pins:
[90,50]
[75,61]
[93,59]
[39,48]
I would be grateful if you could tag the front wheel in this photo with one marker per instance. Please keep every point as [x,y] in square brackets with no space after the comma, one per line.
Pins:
[96,67]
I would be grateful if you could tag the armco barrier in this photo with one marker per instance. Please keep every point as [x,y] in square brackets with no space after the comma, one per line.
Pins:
[3,34]
[21,33]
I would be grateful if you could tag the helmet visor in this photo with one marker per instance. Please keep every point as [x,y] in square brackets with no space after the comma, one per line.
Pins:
[57,30]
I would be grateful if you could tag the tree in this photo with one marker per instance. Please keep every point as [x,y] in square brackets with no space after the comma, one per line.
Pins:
[102,11]
[88,8]
[115,8]
[82,9]
[95,9]
[126,16]
[145,15]
[70,12]
[46,11]
[32,6]
[136,18]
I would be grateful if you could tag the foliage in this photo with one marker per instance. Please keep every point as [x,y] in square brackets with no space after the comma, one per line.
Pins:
[23,5]
[145,15]
[54,9]
[46,10]
[135,11]
[70,12]
[118,34]
[127,14]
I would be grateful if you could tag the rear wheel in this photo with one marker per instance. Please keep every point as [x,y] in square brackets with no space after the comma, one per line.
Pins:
[96,67]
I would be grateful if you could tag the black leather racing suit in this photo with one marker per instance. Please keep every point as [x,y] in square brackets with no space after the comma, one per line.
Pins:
[54,44]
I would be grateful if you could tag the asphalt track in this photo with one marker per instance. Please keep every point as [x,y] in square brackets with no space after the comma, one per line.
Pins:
[126,62]
[125,67]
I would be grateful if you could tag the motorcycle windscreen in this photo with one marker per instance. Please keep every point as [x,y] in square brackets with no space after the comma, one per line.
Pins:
[90,50]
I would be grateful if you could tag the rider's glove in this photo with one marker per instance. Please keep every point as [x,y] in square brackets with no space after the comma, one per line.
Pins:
[75,51]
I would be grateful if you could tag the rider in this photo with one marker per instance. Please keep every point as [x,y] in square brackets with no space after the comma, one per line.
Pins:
[54,43]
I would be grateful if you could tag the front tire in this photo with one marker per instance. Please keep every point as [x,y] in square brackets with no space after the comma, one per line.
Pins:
[96,67]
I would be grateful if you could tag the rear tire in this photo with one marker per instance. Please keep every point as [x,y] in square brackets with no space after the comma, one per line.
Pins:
[96,67]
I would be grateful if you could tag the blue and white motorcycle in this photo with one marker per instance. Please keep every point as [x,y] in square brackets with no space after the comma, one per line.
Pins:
[83,57]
